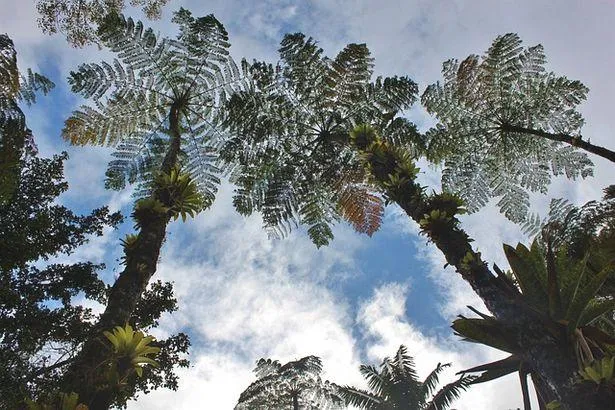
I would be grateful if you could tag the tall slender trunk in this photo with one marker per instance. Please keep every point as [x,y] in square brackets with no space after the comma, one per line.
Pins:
[296,401]
[84,375]
[552,356]
[565,138]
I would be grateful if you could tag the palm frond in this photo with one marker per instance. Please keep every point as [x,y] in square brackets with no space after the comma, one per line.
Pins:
[428,385]
[396,385]
[403,365]
[375,380]
[449,393]
[360,398]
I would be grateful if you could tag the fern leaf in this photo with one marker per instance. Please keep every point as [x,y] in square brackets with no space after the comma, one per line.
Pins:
[484,106]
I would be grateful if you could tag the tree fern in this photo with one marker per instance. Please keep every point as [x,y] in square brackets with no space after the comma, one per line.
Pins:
[133,97]
[288,153]
[502,122]
[296,384]
[157,103]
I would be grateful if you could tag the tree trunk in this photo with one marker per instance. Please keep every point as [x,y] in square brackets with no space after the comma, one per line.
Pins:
[565,138]
[296,401]
[84,376]
[552,356]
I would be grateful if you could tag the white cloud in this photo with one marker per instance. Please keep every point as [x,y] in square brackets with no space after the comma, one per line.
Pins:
[243,297]
[384,320]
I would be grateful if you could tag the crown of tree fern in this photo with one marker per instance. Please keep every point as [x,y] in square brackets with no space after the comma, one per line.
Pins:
[289,151]
[498,115]
[295,385]
[151,80]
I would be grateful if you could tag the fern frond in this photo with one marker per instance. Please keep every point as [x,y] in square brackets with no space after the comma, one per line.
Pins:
[135,94]
[297,116]
[363,209]
[484,106]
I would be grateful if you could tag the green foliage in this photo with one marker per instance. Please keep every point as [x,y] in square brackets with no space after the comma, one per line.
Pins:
[129,244]
[40,324]
[41,328]
[78,19]
[279,386]
[15,137]
[152,82]
[483,107]
[131,348]
[177,195]
[600,371]
[180,193]
[147,210]
[289,151]
[396,385]
[562,289]
[63,401]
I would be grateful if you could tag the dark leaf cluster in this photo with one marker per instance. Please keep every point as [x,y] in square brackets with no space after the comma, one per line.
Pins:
[289,154]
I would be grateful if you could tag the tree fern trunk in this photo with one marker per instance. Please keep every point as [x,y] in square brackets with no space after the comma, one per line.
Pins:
[296,401]
[84,376]
[552,358]
[566,139]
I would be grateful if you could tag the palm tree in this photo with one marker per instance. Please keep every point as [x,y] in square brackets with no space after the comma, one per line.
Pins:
[313,126]
[157,104]
[396,386]
[297,384]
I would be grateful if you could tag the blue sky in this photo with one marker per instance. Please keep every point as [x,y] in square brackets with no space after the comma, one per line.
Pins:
[243,296]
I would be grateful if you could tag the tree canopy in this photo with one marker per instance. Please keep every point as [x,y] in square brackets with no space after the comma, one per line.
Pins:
[396,386]
[78,20]
[499,118]
[288,148]
[43,320]
[309,140]
[296,384]
[158,104]
[15,137]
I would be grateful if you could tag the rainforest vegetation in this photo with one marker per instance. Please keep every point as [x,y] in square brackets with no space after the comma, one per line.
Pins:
[308,141]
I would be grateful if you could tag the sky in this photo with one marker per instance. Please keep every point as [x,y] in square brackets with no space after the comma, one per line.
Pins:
[243,296]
